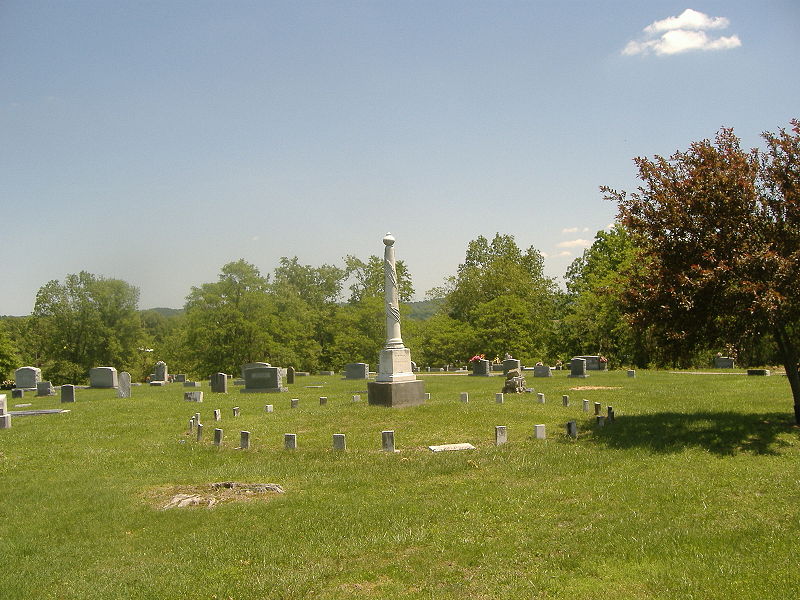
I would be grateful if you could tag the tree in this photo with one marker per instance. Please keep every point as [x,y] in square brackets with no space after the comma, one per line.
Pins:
[719,235]
[229,323]
[369,278]
[85,322]
[9,358]
[594,322]
[502,294]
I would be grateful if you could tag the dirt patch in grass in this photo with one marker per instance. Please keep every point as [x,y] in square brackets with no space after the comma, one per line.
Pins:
[208,495]
[594,387]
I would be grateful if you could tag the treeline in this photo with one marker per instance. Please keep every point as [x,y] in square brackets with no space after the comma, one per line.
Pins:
[498,301]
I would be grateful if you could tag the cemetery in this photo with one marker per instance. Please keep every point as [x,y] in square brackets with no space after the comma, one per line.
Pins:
[448,481]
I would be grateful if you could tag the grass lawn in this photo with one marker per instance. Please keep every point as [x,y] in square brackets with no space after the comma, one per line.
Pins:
[693,492]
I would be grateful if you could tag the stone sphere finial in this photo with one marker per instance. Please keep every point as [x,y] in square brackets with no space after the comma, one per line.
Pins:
[388,239]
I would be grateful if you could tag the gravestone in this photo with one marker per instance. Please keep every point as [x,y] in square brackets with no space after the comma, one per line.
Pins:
[451,447]
[289,375]
[269,408]
[161,373]
[326,373]
[323,400]
[290,441]
[17,393]
[594,363]
[511,364]
[356,371]
[758,372]
[565,400]
[124,389]
[3,404]
[263,380]
[219,383]
[5,421]
[253,365]
[244,440]
[45,388]
[387,441]
[294,403]
[67,393]
[631,373]
[514,383]
[27,377]
[500,435]
[464,397]
[498,398]
[540,432]
[192,384]
[481,368]
[395,383]
[218,437]
[339,441]
[193,396]
[577,367]
[723,362]
[541,397]
[542,371]
[180,377]
[103,377]
[572,429]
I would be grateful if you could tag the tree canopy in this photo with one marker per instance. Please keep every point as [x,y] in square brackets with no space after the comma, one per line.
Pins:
[718,232]
[84,322]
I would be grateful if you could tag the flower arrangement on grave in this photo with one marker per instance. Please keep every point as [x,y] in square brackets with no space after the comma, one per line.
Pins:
[477,357]
[7,385]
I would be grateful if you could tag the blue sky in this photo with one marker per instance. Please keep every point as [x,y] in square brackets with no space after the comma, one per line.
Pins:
[156,141]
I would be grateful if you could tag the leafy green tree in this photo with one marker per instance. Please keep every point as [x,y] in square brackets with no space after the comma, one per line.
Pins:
[595,322]
[502,294]
[9,358]
[719,235]
[230,322]
[440,340]
[85,322]
[306,298]
[369,278]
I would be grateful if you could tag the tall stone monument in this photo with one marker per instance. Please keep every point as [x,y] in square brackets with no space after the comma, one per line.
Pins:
[395,383]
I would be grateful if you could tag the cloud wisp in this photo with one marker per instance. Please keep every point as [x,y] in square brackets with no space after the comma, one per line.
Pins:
[579,243]
[684,33]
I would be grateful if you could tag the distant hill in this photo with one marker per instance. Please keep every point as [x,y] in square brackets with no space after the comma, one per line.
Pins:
[424,309]
[167,312]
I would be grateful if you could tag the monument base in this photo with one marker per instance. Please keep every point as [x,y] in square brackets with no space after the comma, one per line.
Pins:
[397,394]
[264,390]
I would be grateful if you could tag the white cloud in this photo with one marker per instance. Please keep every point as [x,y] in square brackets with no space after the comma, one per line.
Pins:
[688,19]
[683,33]
[574,229]
[564,253]
[579,243]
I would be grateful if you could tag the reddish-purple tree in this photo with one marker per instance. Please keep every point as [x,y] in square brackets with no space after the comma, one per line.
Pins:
[719,235]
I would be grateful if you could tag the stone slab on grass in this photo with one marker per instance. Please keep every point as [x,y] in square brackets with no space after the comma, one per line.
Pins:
[449,447]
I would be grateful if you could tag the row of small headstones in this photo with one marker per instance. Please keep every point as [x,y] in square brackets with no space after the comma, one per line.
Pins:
[340,443]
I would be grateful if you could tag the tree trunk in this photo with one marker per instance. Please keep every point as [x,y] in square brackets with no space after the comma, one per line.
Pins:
[789,356]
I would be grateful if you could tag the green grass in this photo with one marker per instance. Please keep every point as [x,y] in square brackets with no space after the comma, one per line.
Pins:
[691,493]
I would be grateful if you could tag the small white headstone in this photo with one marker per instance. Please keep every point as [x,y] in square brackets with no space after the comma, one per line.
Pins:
[539,432]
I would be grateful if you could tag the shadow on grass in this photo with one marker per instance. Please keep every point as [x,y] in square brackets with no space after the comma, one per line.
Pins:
[722,433]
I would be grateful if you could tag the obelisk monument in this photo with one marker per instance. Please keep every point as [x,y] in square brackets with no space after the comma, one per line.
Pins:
[395,383]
